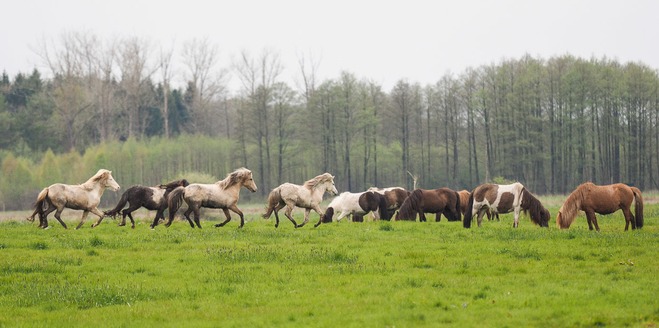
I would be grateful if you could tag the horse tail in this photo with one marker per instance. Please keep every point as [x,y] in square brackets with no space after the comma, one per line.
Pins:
[638,211]
[383,208]
[469,212]
[458,212]
[328,216]
[174,201]
[273,200]
[39,204]
[120,205]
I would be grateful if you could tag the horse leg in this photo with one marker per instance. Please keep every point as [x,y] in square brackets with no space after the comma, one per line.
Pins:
[236,210]
[277,209]
[306,218]
[479,217]
[82,220]
[100,215]
[338,219]
[289,210]
[629,217]
[518,209]
[589,219]
[132,222]
[160,214]
[227,216]
[58,216]
[422,217]
[43,220]
[320,213]
[186,214]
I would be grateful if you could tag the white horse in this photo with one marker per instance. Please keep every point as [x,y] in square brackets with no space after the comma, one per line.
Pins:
[83,197]
[358,204]
[222,194]
[307,196]
[504,199]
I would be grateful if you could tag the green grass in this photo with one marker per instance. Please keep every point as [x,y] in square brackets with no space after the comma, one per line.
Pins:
[371,274]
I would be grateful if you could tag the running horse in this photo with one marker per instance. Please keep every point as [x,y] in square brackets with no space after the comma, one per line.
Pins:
[307,196]
[357,205]
[151,198]
[223,194]
[440,201]
[592,199]
[505,199]
[83,197]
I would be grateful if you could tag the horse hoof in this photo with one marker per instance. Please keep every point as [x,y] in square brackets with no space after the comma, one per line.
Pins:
[46,228]
[132,227]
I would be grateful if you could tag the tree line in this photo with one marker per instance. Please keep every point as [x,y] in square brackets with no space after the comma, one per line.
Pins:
[548,123]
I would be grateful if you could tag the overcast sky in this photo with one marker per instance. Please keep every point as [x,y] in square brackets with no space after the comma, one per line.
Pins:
[384,41]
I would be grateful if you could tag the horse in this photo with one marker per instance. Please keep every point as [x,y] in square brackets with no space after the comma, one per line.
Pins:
[395,197]
[464,200]
[83,197]
[223,194]
[307,196]
[440,201]
[357,204]
[505,199]
[151,198]
[592,199]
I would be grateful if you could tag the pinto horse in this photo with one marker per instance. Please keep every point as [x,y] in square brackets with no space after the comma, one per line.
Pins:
[464,201]
[593,199]
[151,198]
[307,196]
[357,205]
[505,199]
[83,197]
[223,194]
[440,201]
[395,197]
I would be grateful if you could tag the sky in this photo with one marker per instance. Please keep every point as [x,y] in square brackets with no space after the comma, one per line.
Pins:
[384,41]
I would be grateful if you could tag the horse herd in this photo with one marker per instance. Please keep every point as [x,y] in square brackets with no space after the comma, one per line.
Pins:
[486,199]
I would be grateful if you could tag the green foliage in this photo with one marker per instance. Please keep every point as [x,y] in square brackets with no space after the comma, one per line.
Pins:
[196,177]
[15,181]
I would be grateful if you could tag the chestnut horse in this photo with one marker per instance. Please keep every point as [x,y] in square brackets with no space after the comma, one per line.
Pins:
[151,198]
[307,196]
[223,194]
[464,201]
[357,205]
[593,199]
[505,199]
[83,197]
[440,201]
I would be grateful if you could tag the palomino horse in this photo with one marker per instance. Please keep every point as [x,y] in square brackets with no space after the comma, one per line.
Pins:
[440,201]
[464,201]
[83,197]
[395,196]
[505,199]
[603,200]
[357,204]
[223,194]
[151,198]
[307,196]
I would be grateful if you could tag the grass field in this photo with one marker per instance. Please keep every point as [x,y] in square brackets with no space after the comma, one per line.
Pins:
[372,274]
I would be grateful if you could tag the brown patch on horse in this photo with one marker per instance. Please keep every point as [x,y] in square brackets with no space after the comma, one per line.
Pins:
[506,203]
[486,191]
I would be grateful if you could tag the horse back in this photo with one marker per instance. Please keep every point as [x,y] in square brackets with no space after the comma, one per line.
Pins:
[608,199]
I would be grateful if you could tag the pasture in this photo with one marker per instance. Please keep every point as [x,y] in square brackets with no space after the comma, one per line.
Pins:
[373,274]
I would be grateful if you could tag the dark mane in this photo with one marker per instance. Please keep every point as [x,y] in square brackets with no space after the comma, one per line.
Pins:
[531,205]
[172,185]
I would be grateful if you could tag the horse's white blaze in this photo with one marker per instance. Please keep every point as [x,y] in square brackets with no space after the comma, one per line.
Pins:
[347,203]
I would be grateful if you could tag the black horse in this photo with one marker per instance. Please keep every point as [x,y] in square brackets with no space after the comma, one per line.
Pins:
[151,198]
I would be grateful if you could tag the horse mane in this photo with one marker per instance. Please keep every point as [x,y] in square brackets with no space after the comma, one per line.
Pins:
[572,204]
[234,178]
[172,185]
[100,176]
[311,184]
[410,207]
[531,205]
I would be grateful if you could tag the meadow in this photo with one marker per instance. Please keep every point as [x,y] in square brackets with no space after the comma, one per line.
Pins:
[372,274]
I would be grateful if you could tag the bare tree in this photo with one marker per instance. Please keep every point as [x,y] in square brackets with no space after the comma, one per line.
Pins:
[166,75]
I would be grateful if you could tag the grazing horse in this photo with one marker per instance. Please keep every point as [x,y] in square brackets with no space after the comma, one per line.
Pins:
[307,196]
[357,204]
[223,194]
[83,197]
[395,197]
[151,198]
[464,201]
[505,199]
[593,199]
[440,201]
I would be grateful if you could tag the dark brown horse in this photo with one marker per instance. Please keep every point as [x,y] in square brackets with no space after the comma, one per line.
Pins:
[151,198]
[505,199]
[394,196]
[464,201]
[603,200]
[440,201]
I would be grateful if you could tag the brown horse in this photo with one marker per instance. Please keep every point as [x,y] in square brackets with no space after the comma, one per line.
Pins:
[223,194]
[395,197]
[505,199]
[440,201]
[603,200]
[151,198]
[83,197]
[464,201]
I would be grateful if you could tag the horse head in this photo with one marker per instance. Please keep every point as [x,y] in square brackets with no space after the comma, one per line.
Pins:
[329,185]
[544,218]
[109,181]
[248,181]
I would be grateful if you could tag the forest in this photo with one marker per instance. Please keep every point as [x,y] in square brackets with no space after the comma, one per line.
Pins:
[550,124]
